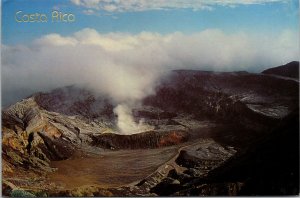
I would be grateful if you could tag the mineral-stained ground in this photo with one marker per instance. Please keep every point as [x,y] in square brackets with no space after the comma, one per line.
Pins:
[209,133]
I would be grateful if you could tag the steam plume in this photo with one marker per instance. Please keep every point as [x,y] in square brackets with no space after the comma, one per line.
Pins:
[126,123]
[127,67]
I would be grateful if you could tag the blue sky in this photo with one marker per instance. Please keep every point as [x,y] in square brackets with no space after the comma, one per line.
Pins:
[262,17]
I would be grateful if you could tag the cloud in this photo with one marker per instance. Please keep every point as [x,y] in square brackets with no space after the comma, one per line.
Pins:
[89,12]
[127,67]
[87,3]
[55,40]
[144,5]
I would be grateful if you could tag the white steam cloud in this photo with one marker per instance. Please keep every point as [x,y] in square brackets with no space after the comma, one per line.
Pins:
[127,67]
[126,123]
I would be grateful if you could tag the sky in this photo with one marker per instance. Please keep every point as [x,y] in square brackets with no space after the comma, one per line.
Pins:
[257,16]
[123,48]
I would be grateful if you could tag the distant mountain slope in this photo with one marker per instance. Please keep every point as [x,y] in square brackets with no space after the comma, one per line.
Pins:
[288,70]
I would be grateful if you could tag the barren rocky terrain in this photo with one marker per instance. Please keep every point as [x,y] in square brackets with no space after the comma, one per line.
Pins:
[208,133]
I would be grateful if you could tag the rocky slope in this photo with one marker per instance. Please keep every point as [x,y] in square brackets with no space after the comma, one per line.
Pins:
[203,118]
[290,70]
[269,167]
[146,140]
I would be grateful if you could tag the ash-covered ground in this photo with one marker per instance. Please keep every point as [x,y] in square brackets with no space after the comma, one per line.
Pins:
[200,133]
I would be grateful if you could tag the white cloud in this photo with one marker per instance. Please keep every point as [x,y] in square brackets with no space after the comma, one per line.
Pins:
[87,3]
[76,2]
[127,67]
[55,40]
[89,12]
[144,5]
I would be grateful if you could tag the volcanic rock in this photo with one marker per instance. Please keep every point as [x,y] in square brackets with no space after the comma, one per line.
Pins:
[290,70]
[221,123]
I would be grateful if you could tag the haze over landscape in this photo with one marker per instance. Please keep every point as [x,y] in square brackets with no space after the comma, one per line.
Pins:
[127,64]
